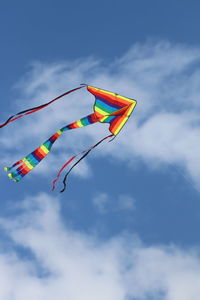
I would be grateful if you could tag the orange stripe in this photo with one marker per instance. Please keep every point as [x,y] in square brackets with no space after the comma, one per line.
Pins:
[116,124]
[56,135]
[38,153]
[42,152]
[74,125]
[115,98]
[120,111]
[25,169]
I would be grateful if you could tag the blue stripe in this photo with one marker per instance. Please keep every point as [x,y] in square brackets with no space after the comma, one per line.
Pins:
[48,145]
[36,156]
[109,119]
[108,108]
[15,173]
[65,128]
[117,106]
[32,159]
[19,177]
[85,120]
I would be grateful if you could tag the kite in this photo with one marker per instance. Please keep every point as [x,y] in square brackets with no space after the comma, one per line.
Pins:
[109,108]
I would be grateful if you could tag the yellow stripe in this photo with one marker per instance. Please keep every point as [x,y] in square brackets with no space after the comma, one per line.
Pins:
[127,99]
[79,123]
[130,109]
[44,149]
[120,126]
[102,90]
[116,95]
[101,111]
[59,132]
[28,165]
[103,119]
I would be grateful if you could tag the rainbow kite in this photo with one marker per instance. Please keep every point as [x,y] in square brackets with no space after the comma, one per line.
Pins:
[108,108]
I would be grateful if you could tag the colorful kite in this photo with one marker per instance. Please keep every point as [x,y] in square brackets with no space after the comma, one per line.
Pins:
[108,108]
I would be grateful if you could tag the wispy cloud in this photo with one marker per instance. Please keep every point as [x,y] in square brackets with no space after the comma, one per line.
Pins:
[101,201]
[105,204]
[164,128]
[63,263]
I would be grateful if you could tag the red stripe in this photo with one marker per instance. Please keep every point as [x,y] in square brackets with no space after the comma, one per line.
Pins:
[111,98]
[23,169]
[38,153]
[115,124]
[42,153]
[94,118]
[17,163]
[56,135]
[74,125]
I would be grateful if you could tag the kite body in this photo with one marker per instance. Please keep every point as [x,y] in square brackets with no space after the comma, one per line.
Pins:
[112,108]
[108,108]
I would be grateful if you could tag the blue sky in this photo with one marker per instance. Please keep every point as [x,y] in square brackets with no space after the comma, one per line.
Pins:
[132,207]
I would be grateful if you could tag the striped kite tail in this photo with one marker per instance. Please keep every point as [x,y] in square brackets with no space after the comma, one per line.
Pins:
[25,165]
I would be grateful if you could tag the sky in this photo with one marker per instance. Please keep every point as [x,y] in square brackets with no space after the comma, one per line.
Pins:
[126,227]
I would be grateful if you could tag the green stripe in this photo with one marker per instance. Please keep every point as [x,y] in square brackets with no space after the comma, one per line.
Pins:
[31,162]
[103,108]
[83,122]
[48,145]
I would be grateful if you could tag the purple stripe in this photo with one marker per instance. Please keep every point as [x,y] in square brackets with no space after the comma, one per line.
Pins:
[90,119]
[109,103]
[52,139]
[36,156]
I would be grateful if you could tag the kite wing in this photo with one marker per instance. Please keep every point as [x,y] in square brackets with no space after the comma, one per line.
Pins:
[112,108]
[108,108]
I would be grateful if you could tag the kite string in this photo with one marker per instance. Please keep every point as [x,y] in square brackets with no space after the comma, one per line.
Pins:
[66,175]
[37,108]
[85,152]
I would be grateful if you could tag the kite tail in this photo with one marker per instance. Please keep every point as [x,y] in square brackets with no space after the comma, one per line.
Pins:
[85,153]
[35,109]
[25,165]
[33,159]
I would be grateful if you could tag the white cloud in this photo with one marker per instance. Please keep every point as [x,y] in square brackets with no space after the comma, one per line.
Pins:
[126,202]
[67,264]
[105,204]
[163,129]
[100,201]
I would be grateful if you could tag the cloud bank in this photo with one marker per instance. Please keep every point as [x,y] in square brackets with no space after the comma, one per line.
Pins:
[61,263]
